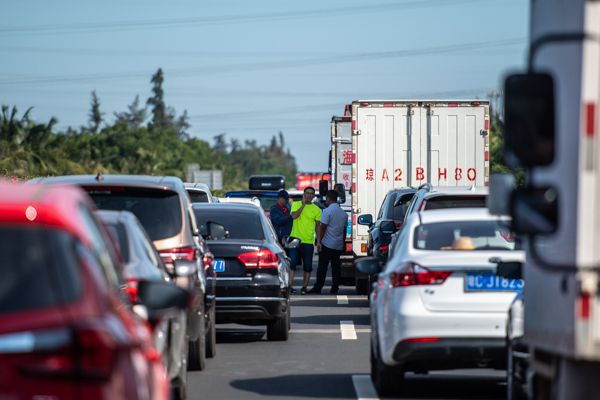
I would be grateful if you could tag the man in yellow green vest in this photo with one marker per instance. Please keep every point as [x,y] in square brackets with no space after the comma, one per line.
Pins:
[307,217]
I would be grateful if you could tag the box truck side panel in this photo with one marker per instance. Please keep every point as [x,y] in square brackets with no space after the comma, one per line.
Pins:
[457,142]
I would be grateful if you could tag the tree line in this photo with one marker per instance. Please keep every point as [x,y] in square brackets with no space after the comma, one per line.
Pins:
[147,138]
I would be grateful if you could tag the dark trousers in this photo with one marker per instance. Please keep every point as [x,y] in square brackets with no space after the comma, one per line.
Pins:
[326,256]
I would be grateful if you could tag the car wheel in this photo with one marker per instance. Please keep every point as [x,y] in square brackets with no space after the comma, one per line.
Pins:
[178,390]
[362,285]
[278,330]
[197,349]
[386,380]
[211,335]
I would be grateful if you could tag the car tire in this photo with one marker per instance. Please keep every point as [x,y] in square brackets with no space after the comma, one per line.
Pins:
[178,390]
[362,286]
[386,380]
[197,349]
[278,330]
[211,335]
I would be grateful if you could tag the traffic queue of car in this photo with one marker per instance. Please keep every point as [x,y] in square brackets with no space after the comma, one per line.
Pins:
[436,301]
[113,284]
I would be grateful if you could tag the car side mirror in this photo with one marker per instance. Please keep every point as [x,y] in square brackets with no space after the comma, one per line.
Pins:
[509,269]
[341,191]
[216,231]
[368,265]
[365,219]
[387,226]
[323,187]
[162,299]
[501,188]
[529,120]
[534,211]
[291,243]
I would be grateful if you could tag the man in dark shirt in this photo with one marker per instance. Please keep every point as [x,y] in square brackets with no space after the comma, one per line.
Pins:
[281,218]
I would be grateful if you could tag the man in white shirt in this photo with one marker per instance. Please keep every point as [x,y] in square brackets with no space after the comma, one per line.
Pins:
[331,238]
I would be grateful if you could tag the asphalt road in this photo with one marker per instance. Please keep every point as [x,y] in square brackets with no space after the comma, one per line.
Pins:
[326,357]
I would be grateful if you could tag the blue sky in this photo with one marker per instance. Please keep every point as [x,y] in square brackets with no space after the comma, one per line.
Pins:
[254,68]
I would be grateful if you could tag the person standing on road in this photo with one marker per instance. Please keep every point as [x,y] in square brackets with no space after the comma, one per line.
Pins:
[331,238]
[281,216]
[307,217]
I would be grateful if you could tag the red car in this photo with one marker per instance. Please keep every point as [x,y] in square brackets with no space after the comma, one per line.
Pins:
[67,330]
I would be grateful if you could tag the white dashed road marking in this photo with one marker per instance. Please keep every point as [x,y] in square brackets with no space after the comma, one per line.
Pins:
[342,299]
[347,330]
[364,387]
[336,331]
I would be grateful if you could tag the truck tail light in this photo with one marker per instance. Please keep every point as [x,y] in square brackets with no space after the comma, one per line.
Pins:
[383,248]
[421,340]
[131,289]
[363,247]
[412,274]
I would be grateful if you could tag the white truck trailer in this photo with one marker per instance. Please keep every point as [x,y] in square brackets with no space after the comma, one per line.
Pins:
[551,128]
[340,168]
[404,143]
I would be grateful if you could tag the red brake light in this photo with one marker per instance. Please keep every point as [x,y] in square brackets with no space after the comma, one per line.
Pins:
[131,289]
[383,248]
[180,253]
[264,258]
[414,275]
[87,352]
[422,340]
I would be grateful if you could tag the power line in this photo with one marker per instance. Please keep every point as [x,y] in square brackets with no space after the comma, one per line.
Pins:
[270,65]
[228,19]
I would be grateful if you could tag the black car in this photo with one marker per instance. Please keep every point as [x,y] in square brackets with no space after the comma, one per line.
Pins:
[141,262]
[164,209]
[252,268]
[389,220]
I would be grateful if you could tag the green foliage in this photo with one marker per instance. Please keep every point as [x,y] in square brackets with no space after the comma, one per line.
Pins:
[497,165]
[29,148]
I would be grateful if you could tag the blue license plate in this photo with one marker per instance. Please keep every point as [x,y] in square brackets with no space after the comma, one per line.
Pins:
[219,265]
[477,282]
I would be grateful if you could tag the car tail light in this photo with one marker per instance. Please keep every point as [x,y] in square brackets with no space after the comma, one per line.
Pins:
[383,248]
[180,253]
[398,225]
[422,340]
[207,261]
[264,258]
[86,352]
[412,274]
[131,289]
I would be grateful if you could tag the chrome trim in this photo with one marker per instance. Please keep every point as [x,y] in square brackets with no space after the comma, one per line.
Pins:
[250,299]
[245,278]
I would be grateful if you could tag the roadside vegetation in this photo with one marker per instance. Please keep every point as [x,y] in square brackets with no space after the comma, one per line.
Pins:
[147,138]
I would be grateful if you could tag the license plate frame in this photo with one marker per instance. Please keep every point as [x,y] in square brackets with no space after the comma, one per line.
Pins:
[489,282]
[219,265]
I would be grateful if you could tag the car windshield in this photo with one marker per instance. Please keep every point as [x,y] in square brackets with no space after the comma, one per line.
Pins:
[464,235]
[159,211]
[266,201]
[241,224]
[39,269]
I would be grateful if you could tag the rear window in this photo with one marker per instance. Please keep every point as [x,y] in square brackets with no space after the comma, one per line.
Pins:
[464,235]
[240,224]
[197,196]
[159,211]
[266,202]
[441,202]
[39,269]
[399,211]
[119,233]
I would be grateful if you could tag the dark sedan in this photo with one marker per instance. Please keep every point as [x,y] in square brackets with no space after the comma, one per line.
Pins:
[252,268]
